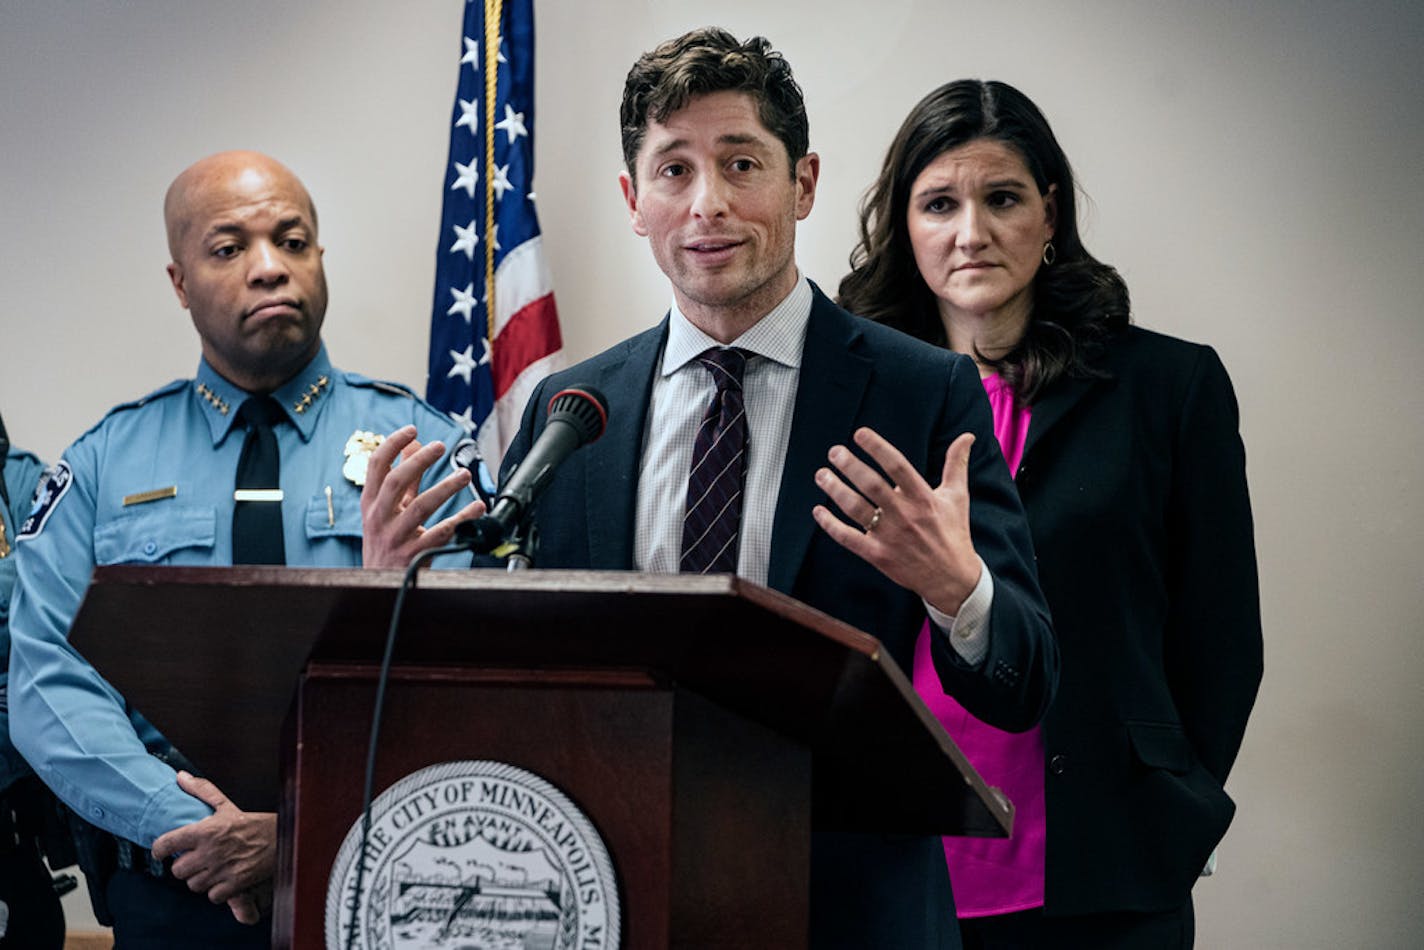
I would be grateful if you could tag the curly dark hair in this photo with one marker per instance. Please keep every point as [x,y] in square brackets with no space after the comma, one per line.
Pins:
[1077,301]
[712,60]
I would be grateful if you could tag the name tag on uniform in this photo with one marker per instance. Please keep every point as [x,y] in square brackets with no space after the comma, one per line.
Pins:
[146,496]
[257,494]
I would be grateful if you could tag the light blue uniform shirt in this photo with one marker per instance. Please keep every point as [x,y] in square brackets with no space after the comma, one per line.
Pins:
[22,475]
[67,721]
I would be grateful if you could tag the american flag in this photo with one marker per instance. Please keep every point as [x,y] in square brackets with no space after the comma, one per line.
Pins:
[494,330]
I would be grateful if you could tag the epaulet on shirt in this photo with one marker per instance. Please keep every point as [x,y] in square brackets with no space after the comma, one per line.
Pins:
[168,389]
[20,455]
[403,392]
[394,389]
[177,386]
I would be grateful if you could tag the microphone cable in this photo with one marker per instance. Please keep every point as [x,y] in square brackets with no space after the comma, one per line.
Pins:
[407,584]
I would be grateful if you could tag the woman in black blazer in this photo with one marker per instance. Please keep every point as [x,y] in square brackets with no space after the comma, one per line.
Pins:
[1126,454]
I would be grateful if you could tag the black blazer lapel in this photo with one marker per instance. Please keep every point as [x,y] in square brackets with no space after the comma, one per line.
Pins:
[834,375]
[1064,395]
[611,468]
[1053,406]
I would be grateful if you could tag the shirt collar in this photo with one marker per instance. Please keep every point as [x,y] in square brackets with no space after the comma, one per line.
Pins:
[301,397]
[779,336]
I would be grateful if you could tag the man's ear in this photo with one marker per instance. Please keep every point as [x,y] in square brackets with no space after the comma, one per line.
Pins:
[808,172]
[175,274]
[630,197]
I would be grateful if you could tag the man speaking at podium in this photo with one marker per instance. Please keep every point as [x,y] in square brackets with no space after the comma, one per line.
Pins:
[258,460]
[760,429]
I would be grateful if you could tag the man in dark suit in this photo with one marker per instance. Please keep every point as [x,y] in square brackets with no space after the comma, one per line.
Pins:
[728,432]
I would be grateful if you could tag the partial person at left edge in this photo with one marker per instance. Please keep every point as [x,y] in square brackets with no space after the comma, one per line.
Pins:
[30,913]
[260,459]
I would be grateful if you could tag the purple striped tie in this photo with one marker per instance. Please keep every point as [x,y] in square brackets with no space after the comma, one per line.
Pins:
[719,465]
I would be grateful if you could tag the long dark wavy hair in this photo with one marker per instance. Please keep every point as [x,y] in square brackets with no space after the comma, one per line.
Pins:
[1077,300]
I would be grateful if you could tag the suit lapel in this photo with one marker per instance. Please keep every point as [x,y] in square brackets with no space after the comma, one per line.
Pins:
[611,469]
[1063,396]
[1053,406]
[832,383]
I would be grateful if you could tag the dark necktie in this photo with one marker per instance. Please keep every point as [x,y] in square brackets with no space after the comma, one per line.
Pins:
[257,524]
[719,465]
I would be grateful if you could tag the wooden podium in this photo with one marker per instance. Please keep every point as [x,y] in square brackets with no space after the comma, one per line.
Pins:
[705,725]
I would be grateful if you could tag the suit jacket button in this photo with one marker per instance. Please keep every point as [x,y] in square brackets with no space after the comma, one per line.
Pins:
[1058,764]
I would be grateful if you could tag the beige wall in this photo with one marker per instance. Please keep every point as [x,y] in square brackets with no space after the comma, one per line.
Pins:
[1253,170]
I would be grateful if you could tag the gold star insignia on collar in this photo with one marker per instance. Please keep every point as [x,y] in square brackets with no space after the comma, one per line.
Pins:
[212,399]
[313,392]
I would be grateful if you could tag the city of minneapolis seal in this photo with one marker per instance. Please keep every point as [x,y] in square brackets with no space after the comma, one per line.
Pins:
[474,854]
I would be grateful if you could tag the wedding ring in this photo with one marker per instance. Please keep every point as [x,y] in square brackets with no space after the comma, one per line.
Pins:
[874,520]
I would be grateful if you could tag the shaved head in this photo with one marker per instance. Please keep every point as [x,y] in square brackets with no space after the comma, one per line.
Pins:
[246,265]
[186,196]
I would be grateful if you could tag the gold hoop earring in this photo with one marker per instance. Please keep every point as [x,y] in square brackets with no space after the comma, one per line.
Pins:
[1050,254]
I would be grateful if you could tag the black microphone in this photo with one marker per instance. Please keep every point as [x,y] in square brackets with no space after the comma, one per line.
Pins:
[576,417]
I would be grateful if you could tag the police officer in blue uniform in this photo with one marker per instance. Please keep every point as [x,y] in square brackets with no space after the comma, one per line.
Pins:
[30,912]
[161,481]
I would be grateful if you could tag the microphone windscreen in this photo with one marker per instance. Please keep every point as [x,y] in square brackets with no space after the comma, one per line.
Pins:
[582,407]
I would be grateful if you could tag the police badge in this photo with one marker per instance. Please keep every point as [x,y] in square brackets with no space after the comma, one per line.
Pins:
[358,453]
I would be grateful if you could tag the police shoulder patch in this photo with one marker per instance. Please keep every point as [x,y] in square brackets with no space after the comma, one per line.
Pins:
[52,488]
